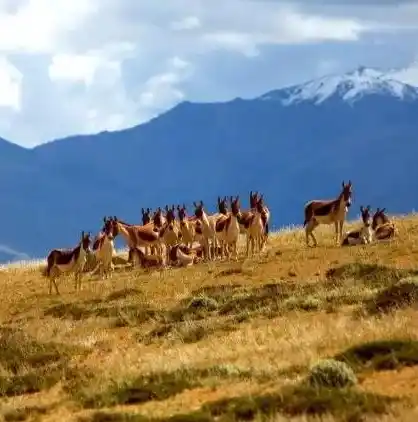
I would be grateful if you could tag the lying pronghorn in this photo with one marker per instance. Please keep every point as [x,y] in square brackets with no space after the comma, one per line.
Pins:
[227,229]
[381,225]
[208,230]
[103,249]
[328,212]
[66,261]
[364,235]
[137,256]
[137,236]
[182,256]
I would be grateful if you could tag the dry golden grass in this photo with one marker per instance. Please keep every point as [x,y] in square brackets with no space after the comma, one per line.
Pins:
[219,341]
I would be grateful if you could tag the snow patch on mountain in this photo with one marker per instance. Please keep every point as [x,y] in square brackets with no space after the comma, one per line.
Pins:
[348,87]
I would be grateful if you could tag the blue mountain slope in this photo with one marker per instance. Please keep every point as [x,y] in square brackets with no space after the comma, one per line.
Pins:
[292,151]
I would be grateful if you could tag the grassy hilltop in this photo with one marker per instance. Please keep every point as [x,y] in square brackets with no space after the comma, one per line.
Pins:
[223,341]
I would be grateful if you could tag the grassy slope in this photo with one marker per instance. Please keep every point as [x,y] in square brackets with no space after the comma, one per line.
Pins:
[212,332]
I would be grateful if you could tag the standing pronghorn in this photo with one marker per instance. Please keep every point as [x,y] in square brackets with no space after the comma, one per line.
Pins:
[328,212]
[61,261]
[187,226]
[136,236]
[104,250]
[227,230]
[246,216]
[208,231]
[265,216]
[169,232]
[255,230]
[364,235]
[146,216]
[383,228]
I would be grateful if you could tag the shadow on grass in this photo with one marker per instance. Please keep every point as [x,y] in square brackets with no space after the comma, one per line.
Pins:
[381,355]
[24,413]
[371,275]
[32,366]
[153,387]
[349,405]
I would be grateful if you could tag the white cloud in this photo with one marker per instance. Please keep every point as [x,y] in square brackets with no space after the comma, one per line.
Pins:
[10,85]
[107,64]
[190,22]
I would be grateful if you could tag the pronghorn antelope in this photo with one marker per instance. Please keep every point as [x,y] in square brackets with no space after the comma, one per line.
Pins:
[103,249]
[136,236]
[182,256]
[265,216]
[328,212]
[146,216]
[364,235]
[66,261]
[381,225]
[145,261]
[169,232]
[256,230]
[208,230]
[227,229]
[187,226]
[246,216]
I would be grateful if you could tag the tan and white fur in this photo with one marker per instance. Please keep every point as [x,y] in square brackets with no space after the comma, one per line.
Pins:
[208,230]
[255,231]
[138,236]
[383,228]
[228,230]
[65,261]
[364,235]
[328,212]
[104,249]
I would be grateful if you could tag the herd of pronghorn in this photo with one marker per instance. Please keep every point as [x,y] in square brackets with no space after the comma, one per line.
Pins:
[164,240]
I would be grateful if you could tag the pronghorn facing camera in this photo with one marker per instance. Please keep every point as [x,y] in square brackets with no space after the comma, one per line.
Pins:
[383,228]
[208,230]
[246,216]
[364,235]
[170,231]
[328,212]
[227,230]
[61,261]
[146,216]
[256,230]
[104,249]
[187,226]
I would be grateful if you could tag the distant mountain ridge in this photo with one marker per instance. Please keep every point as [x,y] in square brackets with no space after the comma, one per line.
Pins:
[292,144]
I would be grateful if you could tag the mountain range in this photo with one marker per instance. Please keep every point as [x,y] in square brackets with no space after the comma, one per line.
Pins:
[291,144]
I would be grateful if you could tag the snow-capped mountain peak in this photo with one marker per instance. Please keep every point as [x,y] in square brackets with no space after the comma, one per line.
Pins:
[348,87]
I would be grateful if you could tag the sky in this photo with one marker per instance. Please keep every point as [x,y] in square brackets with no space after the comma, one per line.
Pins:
[83,66]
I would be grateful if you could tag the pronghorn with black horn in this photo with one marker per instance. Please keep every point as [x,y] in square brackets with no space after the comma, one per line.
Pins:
[383,228]
[137,236]
[362,236]
[208,230]
[169,232]
[328,212]
[265,216]
[255,230]
[227,230]
[104,250]
[146,216]
[246,216]
[187,226]
[65,261]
